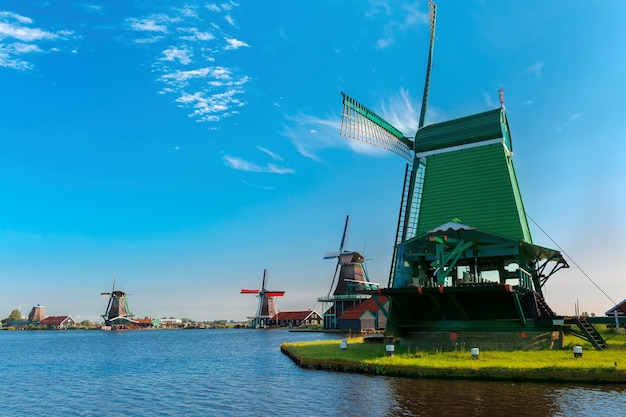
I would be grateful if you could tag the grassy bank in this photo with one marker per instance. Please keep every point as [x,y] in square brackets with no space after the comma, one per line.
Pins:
[608,366]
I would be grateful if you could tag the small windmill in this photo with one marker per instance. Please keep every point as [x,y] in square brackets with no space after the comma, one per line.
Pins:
[267,303]
[350,266]
[352,282]
[117,311]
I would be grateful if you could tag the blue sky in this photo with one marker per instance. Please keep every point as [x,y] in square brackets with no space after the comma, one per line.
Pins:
[188,146]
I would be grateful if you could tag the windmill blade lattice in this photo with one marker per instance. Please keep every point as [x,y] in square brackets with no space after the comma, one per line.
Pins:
[360,123]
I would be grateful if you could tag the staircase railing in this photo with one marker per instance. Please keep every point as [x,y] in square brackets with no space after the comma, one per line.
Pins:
[587,332]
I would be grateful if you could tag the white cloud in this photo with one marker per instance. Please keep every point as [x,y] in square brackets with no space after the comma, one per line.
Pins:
[148,26]
[575,117]
[19,39]
[9,60]
[181,55]
[217,77]
[234,44]
[210,108]
[24,48]
[189,12]
[260,187]
[396,20]
[26,34]
[92,8]
[403,113]
[148,41]
[535,69]
[489,100]
[384,42]
[240,164]
[187,36]
[273,155]
[572,119]
[6,15]
[196,35]
[311,135]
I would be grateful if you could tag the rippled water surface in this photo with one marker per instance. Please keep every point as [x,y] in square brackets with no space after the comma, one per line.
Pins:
[242,372]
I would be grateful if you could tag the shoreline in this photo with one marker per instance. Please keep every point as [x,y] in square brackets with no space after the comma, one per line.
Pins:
[468,370]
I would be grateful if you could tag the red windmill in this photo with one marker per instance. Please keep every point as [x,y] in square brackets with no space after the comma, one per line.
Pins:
[267,303]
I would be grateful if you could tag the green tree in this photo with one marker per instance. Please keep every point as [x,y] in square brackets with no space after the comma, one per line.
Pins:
[16,315]
[87,323]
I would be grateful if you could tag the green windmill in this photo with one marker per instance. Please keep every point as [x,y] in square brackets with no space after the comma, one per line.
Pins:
[464,269]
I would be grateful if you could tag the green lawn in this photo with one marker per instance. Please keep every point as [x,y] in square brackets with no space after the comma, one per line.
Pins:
[548,365]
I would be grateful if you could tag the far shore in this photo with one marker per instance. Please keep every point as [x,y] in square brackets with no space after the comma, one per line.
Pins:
[600,367]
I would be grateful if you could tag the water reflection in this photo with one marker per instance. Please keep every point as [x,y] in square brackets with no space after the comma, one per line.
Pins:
[478,398]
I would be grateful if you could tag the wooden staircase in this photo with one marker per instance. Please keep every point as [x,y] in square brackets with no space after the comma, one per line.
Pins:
[543,307]
[586,332]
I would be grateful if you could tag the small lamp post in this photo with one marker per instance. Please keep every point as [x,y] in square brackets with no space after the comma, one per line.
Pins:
[475,352]
[578,351]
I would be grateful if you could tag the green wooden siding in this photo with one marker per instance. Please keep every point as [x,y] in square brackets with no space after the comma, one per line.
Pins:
[471,129]
[478,186]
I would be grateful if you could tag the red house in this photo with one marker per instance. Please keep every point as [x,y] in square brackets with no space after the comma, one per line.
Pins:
[58,322]
[357,320]
[620,309]
[367,315]
[296,318]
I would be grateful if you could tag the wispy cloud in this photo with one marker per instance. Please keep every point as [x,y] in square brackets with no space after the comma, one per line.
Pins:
[194,34]
[572,119]
[184,40]
[234,44]
[311,135]
[240,164]
[221,7]
[19,37]
[151,24]
[210,107]
[260,187]
[489,100]
[177,54]
[273,155]
[398,19]
[92,8]
[535,69]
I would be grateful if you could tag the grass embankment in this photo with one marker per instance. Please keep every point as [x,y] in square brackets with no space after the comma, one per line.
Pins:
[608,366]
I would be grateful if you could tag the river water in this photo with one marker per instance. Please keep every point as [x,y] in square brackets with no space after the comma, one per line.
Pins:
[242,372]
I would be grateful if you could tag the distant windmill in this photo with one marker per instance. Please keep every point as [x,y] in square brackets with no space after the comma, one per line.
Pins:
[117,311]
[353,283]
[267,303]
[350,265]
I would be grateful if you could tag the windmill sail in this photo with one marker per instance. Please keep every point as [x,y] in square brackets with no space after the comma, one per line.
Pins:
[360,123]
[266,308]
[432,12]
